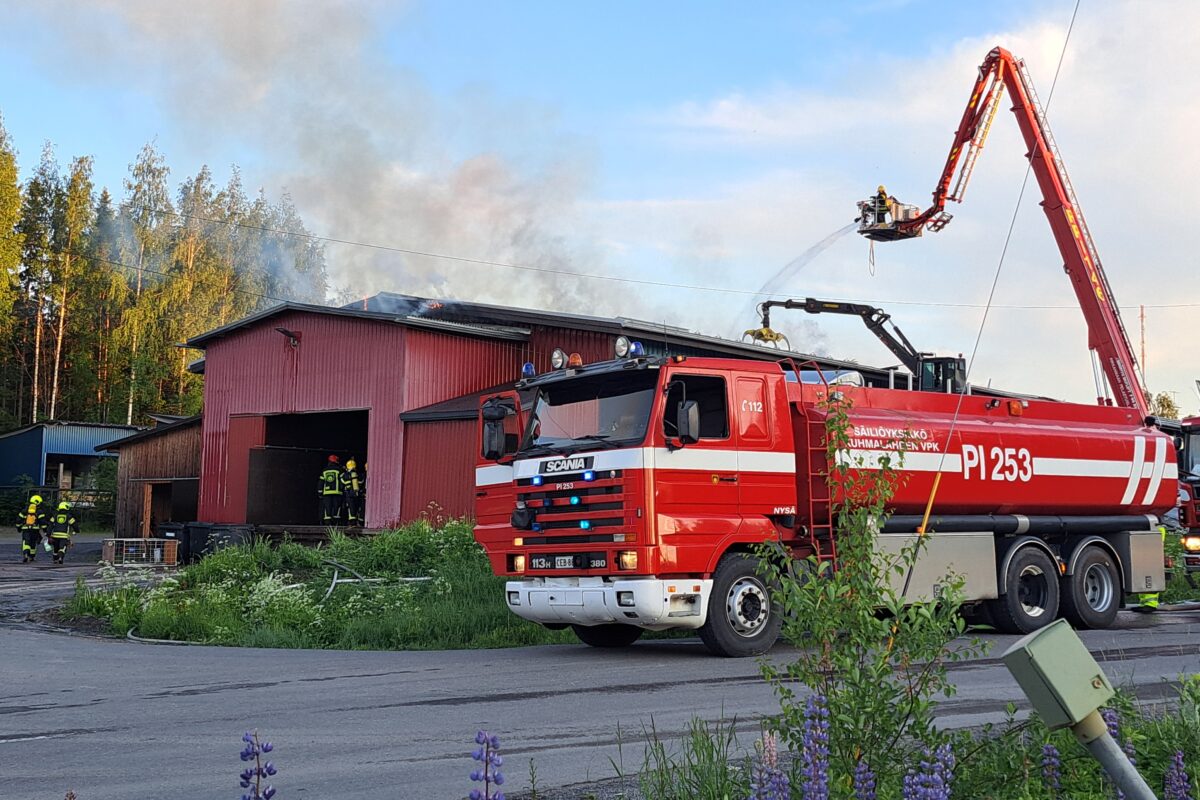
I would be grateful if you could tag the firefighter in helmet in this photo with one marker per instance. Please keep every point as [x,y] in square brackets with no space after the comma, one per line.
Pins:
[32,523]
[329,488]
[880,205]
[352,491]
[62,527]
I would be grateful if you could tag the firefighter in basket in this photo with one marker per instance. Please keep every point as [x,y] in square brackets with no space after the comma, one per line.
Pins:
[32,523]
[62,528]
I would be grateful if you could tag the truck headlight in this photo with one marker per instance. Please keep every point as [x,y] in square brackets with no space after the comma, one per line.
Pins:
[1191,543]
[627,560]
[518,562]
[625,599]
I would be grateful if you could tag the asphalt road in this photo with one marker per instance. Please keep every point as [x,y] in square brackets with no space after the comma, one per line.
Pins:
[114,719]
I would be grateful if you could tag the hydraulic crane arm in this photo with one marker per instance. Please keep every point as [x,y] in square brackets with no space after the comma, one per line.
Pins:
[873,318]
[1107,337]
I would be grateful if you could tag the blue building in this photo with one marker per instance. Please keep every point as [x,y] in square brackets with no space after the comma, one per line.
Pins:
[59,454]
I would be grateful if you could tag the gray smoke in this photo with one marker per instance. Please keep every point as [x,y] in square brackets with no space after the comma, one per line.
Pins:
[366,153]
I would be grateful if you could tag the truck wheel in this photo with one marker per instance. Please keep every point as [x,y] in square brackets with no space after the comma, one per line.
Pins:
[740,619]
[1092,593]
[1031,598]
[610,635]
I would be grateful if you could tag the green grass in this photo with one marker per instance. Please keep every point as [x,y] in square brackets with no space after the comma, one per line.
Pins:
[256,595]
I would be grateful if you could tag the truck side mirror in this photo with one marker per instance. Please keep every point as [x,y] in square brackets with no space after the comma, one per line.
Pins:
[493,439]
[687,422]
[495,414]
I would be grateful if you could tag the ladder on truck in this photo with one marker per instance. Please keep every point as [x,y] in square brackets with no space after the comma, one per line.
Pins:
[819,521]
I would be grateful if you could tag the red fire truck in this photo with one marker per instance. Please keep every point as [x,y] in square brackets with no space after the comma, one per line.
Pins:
[628,495]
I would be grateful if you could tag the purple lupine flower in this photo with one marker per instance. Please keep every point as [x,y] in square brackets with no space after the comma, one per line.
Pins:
[814,759]
[1052,770]
[931,779]
[489,756]
[252,777]
[767,780]
[864,782]
[1176,783]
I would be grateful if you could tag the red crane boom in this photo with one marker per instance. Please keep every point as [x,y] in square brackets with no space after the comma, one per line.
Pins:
[1107,337]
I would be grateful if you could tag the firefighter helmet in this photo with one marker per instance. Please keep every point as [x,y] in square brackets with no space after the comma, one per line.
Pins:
[350,464]
[64,506]
[881,189]
[333,459]
[36,499]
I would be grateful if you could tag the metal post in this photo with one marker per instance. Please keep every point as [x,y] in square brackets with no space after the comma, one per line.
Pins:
[1093,734]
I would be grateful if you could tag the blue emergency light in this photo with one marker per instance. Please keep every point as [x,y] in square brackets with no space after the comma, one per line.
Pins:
[536,480]
[585,525]
[636,350]
[589,475]
[575,500]
[528,370]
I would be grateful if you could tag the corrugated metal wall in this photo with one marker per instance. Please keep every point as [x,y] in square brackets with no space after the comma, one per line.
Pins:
[340,363]
[590,346]
[439,459]
[21,457]
[440,366]
[172,454]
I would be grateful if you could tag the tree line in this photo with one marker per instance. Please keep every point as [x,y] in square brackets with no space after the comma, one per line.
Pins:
[97,292]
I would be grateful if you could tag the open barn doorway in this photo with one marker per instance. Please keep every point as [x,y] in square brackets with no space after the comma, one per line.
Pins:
[285,469]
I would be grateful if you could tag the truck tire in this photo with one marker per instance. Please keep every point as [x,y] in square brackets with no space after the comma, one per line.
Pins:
[610,635]
[741,621]
[1031,597]
[1092,593]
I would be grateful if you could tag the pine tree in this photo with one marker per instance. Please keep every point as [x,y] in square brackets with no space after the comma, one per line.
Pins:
[147,205]
[73,219]
[37,230]
[10,267]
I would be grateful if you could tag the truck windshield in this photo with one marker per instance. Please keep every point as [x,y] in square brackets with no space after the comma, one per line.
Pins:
[1191,455]
[592,412]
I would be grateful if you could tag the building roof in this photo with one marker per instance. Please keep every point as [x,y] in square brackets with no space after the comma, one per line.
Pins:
[456,408]
[56,423]
[462,328]
[150,433]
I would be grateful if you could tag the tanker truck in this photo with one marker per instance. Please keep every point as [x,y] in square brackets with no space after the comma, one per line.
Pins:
[631,495]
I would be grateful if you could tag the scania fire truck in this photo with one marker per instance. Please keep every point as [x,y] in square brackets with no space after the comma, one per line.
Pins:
[629,495]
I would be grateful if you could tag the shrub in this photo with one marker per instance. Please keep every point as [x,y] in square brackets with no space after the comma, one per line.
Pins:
[877,673]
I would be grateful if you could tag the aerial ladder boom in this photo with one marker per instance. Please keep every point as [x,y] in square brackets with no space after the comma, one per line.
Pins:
[1000,72]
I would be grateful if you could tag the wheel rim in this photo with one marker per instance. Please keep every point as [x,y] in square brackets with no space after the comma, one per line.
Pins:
[1098,589]
[747,607]
[1033,590]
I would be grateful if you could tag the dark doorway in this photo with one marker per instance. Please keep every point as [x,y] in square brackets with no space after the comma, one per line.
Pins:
[283,472]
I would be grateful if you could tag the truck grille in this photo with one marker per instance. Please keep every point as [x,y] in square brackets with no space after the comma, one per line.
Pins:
[585,511]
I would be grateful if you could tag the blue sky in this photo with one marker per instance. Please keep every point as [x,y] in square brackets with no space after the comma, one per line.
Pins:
[697,143]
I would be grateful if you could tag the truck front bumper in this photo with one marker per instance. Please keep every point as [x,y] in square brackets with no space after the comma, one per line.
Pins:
[648,603]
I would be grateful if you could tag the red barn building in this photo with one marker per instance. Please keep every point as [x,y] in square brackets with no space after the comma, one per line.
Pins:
[394,383]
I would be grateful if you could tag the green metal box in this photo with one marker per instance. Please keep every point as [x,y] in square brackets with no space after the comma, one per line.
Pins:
[1058,674]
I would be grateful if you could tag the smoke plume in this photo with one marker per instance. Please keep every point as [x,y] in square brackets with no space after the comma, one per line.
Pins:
[364,150]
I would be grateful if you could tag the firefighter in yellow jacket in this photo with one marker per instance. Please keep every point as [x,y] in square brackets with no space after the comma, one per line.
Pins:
[32,523]
[62,527]
[352,492]
[329,487]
